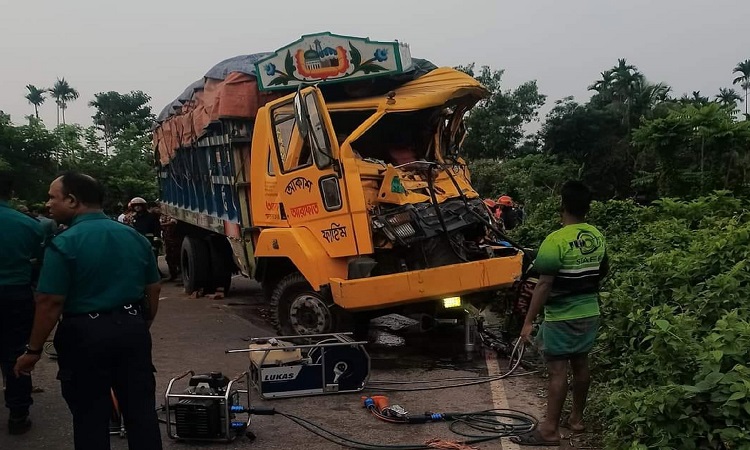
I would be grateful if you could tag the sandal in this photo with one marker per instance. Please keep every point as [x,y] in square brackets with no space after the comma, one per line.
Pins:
[577,429]
[534,438]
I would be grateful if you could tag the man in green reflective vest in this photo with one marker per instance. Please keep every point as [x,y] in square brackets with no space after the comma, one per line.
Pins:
[571,263]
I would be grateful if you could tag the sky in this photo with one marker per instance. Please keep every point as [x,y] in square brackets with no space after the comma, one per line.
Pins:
[161,46]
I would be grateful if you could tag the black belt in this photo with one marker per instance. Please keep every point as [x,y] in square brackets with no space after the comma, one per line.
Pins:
[130,308]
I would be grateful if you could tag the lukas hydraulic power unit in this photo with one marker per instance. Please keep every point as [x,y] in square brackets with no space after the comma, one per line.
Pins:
[208,409]
[293,366]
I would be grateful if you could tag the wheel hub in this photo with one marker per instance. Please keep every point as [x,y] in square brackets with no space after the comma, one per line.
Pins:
[308,314]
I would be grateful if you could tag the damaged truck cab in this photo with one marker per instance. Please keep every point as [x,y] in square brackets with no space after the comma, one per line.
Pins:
[356,198]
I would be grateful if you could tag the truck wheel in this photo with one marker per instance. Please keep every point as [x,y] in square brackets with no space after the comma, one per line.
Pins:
[195,261]
[297,309]
[221,266]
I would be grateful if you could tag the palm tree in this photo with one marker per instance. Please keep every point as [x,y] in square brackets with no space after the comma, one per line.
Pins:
[743,68]
[728,98]
[625,84]
[35,97]
[604,84]
[57,91]
[63,93]
[699,99]
[647,95]
[624,75]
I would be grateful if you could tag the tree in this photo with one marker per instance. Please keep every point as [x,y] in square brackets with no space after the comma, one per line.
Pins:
[115,113]
[496,125]
[595,139]
[126,174]
[35,96]
[531,179]
[605,84]
[26,152]
[743,68]
[728,97]
[33,156]
[626,90]
[647,96]
[63,94]
[693,150]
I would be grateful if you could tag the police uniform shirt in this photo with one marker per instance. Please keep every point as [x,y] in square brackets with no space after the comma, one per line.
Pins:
[98,264]
[20,240]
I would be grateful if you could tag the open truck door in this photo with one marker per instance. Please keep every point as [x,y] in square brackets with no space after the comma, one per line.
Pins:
[310,181]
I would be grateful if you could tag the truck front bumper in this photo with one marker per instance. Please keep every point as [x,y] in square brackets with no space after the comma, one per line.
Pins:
[428,284]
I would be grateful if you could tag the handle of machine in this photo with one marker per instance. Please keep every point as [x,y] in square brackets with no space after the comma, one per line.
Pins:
[291,347]
[179,377]
[238,377]
[171,383]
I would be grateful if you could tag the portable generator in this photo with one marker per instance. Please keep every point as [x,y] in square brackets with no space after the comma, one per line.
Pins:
[207,409]
[280,368]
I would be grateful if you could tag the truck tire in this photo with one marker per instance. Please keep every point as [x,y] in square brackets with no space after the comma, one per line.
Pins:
[222,266]
[298,309]
[196,266]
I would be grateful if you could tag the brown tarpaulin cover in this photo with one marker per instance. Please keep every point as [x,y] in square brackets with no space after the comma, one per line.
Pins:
[235,97]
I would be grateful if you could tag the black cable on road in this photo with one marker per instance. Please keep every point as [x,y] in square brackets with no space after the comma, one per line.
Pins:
[516,356]
[479,426]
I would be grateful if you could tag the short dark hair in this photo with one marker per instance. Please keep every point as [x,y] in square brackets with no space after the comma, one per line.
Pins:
[84,187]
[576,198]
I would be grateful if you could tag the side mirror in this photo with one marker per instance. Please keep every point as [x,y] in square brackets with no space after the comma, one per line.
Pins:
[301,115]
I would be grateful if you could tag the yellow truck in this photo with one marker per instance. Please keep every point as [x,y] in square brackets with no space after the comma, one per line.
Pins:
[330,172]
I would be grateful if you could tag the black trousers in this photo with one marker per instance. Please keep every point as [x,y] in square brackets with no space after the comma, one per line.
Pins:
[101,352]
[16,319]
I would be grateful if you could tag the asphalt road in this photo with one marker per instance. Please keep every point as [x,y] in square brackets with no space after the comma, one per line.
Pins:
[194,334]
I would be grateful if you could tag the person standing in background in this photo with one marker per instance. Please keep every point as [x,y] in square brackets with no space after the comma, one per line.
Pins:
[99,277]
[49,226]
[21,242]
[147,223]
[172,245]
[571,263]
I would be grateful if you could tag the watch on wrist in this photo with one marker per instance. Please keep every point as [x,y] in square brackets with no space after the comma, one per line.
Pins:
[30,351]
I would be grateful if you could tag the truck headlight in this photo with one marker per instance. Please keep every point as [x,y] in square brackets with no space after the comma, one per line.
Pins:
[401,225]
[452,302]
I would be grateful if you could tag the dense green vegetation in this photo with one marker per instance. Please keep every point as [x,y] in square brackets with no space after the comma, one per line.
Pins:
[116,150]
[674,346]
[670,174]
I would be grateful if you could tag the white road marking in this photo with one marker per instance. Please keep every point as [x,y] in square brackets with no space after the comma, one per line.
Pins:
[497,389]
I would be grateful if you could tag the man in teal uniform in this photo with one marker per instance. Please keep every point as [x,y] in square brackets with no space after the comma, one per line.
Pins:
[20,241]
[571,263]
[96,277]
